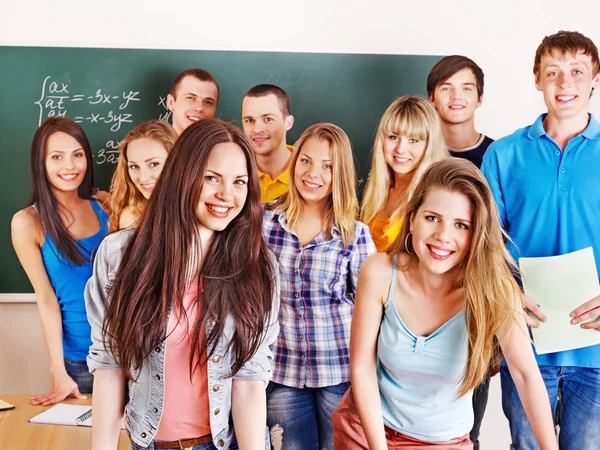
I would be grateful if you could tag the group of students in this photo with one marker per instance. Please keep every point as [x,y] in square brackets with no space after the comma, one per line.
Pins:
[239,300]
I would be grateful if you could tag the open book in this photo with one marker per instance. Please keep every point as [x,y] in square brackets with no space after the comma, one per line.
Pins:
[63,414]
[560,284]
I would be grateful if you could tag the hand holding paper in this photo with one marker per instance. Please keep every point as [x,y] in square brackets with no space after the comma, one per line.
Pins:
[535,310]
[589,310]
[559,284]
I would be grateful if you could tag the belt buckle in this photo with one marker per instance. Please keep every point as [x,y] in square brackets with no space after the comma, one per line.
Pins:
[182,447]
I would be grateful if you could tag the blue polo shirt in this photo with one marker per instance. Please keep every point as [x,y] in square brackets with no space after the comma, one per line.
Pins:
[549,202]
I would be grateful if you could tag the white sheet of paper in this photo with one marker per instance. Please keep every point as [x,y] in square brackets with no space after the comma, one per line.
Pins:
[559,284]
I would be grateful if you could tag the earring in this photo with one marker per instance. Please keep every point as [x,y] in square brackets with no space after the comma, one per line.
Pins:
[406,243]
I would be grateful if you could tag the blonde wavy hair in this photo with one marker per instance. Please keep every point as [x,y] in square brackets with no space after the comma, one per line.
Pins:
[342,205]
[487,274]
[123,193]
[411,117]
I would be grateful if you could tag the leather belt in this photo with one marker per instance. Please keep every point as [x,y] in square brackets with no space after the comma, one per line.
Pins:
[184,443]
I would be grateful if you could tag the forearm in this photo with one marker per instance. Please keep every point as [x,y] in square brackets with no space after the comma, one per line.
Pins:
[108,405]
[51,320]
[249,411]
[534,398]
[368,404]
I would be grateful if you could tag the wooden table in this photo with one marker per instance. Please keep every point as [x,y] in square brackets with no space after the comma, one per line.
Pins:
[16,433]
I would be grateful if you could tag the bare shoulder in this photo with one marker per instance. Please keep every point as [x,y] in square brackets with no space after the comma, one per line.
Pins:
[377,268]
[128,218]
[26,222]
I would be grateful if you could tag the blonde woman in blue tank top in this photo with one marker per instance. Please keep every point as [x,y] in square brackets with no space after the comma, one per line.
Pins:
[429,315]
[55,239]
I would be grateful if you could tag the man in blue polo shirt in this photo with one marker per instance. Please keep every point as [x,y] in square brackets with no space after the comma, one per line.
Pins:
[545,179]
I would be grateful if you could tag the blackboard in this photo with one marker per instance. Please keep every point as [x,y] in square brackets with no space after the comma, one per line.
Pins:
[108,91]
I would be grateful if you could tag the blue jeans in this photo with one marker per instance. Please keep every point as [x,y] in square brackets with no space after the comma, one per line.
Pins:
[579,415]
[300,419]
[79,371]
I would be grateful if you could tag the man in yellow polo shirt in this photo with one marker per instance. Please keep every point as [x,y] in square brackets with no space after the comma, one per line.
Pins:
[266,119]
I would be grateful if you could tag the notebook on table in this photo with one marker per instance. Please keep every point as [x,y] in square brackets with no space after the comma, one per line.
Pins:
[63,414]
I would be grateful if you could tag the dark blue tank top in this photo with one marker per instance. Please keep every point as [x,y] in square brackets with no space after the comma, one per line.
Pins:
[69,281]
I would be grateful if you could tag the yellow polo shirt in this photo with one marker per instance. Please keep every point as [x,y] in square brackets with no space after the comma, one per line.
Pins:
[271,189]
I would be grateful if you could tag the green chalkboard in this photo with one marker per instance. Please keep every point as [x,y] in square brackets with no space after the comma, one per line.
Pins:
[111,90]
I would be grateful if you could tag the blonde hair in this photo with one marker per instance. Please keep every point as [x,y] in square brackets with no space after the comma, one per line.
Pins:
[412,117]
[342,205]
[123,192]
[487,274]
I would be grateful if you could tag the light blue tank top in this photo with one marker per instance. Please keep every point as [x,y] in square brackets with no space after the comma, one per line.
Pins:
[419,376]
[69,282]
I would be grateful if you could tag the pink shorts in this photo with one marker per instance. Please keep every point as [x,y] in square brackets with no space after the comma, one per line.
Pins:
[348,433]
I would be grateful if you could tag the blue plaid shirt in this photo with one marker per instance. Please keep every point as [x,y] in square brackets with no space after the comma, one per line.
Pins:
[318,285]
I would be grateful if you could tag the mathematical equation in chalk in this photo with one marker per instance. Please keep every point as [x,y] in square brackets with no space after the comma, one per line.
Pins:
[100,108]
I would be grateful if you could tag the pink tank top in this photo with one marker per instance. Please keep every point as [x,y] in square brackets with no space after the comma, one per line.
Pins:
[186,410]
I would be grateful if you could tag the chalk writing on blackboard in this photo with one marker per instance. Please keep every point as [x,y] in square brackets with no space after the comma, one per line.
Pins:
[110,153]
[166,115]
[99,108]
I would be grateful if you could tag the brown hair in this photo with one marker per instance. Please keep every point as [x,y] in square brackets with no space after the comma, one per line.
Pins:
[47,205]
[447,67]
[236,273]
[123,192]
[200,74]
[262,90]
[487,274]
[566,42]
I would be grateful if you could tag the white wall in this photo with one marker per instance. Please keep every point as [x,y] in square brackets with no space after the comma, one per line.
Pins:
[500,36]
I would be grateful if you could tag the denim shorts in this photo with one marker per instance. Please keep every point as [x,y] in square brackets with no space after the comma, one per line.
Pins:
[79,371]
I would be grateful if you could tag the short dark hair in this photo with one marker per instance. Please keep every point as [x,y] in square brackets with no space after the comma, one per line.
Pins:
[262,90]
[200,74]
[566,42]
[448,66]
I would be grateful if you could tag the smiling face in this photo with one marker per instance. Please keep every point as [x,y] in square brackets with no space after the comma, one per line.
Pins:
[566,80]
[264,124]
[403,154]
[145,162]
[224,189]
[442,230]
[314,171]
[66,163]
[456,99]
[194,100]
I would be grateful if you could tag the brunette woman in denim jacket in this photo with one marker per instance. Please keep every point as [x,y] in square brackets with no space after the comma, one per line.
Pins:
[183,308]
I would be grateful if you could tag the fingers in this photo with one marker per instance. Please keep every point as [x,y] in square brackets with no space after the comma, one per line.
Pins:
[588,310]
[534,310]
[38,400]
[595,325]
[531,322]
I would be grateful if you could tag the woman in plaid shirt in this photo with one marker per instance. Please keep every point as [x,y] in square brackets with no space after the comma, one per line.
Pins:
[320,246]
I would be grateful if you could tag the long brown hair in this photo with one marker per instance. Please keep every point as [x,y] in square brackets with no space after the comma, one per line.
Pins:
[487,274]
[48,207]
[123,192]
[237,274]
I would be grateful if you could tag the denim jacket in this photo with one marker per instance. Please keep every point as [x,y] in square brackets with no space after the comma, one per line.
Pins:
[146,395]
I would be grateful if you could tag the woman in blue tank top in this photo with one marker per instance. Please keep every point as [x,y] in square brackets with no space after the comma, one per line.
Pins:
[55,239]
[429,315]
